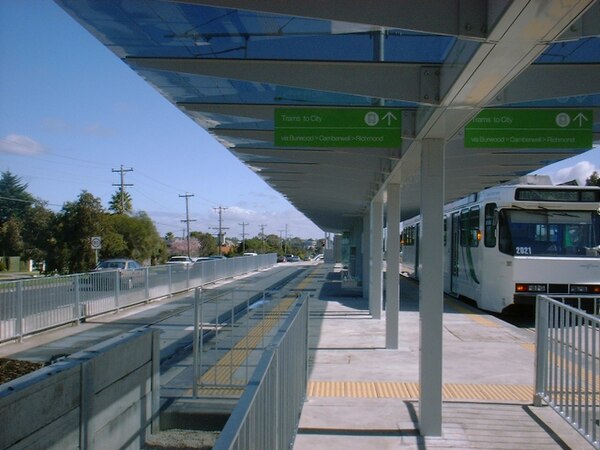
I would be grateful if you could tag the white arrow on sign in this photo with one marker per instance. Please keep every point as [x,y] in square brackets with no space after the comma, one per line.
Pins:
[389,116]
[581,117]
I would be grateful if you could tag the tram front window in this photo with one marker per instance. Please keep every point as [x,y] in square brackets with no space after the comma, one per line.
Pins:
[549,233]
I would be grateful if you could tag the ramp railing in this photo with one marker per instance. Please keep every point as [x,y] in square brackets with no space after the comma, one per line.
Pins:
[267,414]
[567,375]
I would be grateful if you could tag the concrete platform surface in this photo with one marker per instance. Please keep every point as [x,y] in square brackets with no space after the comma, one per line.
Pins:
[364,396]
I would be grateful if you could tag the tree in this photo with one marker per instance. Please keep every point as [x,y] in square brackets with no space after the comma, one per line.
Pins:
[120,202]
[133,237]
[14,198]
[38,232]
[77,222]
[593,179]
[11,241]
[207,243]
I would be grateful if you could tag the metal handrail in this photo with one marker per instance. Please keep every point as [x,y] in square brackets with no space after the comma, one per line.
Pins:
[33,305]
[567,375]
[267,414]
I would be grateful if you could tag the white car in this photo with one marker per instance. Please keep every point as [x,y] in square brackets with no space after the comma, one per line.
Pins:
[185,260]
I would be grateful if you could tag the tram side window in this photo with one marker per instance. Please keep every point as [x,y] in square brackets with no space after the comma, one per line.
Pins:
[445,228]
[408,236]
[469,227]
[464,228]
[474,231]
[489,239]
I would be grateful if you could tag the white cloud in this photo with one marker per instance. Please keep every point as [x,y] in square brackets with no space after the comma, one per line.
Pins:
[20,145]
[579,172]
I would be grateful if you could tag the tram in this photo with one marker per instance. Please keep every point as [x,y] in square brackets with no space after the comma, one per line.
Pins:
[506,244]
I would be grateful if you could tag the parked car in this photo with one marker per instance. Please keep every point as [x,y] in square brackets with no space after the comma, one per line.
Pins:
[281,258]
[292,258]
[199,259]
[131,274]
[186,260]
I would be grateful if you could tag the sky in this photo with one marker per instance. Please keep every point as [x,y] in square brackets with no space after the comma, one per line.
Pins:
[71,114]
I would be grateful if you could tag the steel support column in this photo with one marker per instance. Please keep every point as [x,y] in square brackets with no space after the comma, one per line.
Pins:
[366,243]
[392,276]
[376,258]
[431,286]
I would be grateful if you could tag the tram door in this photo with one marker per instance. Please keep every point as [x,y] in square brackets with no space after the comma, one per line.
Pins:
[454,248]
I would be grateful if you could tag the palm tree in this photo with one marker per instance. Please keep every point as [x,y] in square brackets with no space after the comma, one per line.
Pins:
[120,203]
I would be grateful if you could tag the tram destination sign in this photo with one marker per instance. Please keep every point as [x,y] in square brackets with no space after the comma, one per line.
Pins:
[530,128]
[338,127]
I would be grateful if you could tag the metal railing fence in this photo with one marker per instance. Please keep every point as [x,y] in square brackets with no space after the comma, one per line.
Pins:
[567,374]
[32,305]
[235,328]
[267,414]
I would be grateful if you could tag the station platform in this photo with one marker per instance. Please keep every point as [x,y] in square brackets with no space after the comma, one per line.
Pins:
[364,396]
[361,395]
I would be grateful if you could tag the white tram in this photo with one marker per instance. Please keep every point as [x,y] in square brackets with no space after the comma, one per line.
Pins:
[507,244]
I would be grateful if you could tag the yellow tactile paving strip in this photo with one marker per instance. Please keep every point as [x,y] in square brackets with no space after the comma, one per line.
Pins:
[410,391]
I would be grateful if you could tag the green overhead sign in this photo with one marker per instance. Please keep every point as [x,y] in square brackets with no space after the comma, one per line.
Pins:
[530,128]
[338,127]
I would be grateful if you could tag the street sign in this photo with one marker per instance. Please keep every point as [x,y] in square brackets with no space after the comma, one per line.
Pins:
[338,127]
[530,128]
[96,243]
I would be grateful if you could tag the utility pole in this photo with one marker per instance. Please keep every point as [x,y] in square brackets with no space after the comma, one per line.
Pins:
[122,184]
[243,224]
[281,240]
[286,239]
[187,220]
[262,236]
[220,210]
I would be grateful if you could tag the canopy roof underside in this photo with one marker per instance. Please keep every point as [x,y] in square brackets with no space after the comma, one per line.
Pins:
[228,64]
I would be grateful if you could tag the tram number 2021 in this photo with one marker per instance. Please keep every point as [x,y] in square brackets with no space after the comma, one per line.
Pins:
[523,250]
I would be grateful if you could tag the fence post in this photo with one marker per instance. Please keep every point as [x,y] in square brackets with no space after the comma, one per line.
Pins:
[147,282]
[155,424]
[278,399]
[77,312]
[117,289]
[195,343]
[541,349]
[307,344]
[187,270]
[20,319]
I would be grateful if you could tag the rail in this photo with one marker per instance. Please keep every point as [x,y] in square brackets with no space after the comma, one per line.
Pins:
[567,374]
[267,414]
[33,305]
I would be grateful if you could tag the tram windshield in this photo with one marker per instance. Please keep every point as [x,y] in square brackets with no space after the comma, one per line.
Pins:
[549,233]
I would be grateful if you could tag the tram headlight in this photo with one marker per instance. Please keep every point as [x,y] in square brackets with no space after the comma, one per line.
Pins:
[530,287]
[584,289]
[578,289]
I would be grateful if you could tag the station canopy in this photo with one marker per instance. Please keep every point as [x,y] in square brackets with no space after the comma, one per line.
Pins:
[233,66]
